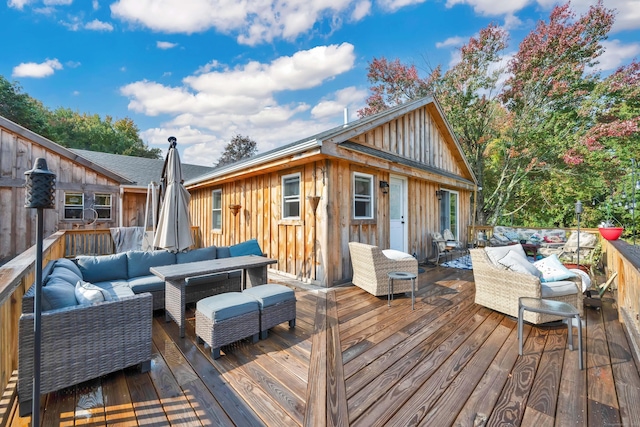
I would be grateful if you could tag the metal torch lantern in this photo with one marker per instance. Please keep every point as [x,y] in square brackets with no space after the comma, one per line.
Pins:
[40,189]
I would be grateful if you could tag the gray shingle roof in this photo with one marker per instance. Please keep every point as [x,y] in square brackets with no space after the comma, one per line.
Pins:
[139,170]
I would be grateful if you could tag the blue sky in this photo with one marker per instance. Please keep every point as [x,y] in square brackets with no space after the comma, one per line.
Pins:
[274,70]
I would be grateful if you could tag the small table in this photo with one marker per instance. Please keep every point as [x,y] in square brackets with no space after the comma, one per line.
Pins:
[400,275]
[254,273]
[556,308]
[531,248]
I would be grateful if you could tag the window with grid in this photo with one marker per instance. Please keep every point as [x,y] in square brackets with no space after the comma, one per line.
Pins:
[362,196]
[291,196]
[102,205]
[73,205]
[216,210]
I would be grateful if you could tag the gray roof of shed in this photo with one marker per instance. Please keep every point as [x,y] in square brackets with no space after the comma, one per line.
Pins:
[141,171]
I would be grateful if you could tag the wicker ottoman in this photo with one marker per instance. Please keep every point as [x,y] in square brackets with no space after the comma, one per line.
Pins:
[277,305]
[226,318]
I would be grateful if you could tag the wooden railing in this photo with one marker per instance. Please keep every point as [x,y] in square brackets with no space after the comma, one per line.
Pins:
[16,277]
[624,259]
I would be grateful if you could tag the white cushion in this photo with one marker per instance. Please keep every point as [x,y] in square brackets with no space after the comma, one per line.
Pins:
[514,262]
[586,280]
[394,254]
[496,253]
[552,269]
[88,293]
[558,289]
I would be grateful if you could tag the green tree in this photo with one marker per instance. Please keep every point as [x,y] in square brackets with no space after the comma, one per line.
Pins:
[240,147]
[21,108]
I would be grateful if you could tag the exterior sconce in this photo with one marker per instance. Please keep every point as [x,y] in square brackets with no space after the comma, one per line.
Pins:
[439,194]
[384,187]
[235,209]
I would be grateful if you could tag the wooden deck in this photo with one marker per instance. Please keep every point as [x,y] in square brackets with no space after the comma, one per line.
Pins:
[351,360]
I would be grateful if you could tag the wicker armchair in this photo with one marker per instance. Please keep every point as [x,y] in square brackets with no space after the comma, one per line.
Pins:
[83,342]
[500,289]
[371,266]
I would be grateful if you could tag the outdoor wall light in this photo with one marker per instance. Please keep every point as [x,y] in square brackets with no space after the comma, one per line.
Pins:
[384,186]
[235,209]
[439,194]
[40,187]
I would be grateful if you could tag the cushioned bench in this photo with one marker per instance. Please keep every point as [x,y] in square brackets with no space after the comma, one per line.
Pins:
[226,318]
[277,305]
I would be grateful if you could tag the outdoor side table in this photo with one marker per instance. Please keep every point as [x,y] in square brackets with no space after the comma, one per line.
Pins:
[556,308]
[400,275]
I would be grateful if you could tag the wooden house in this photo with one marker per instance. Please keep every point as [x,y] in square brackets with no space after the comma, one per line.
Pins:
[112,187]
[389,180]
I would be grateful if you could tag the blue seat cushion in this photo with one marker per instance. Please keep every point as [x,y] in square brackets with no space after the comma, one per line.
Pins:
[202,254]
[58,293]
[250,247]
[139,262]
[103,268]
[226,306]
[146,284]
[270,294]
[118,289]
[68,264]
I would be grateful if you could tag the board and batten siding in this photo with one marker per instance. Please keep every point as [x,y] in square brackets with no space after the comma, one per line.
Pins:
[17,223]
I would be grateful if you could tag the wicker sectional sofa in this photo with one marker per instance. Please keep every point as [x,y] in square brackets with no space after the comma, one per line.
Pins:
[84,340]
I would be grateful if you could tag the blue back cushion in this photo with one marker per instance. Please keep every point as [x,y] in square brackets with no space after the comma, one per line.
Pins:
[223,252]
[102,268]
[64,274]
[58,293]
[69,265]
[250,247]
[140,262]
[202,254]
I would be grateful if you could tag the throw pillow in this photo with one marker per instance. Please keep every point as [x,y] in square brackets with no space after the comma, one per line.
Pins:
[88,293]
[69,265]
[514,262]
[552,269]
[57,293]
[496,253]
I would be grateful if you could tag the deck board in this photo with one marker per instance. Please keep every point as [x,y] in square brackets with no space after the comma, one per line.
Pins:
[354,360]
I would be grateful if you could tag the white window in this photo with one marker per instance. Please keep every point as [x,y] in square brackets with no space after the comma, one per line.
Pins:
[362,196]
[216,210]
[449,207]
[73,205]
[291,196]
[102,206]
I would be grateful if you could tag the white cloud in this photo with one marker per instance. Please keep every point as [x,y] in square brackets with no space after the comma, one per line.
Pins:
[217,102]
[333,107]
[57,2]
[18,4]
[165,45]
[32,69]
[393,5]
[492,7]
[616,54]
[75,93]
[72,64]
[452,41]
[251,21]
[95,4]
[627,11]
[511,22]
[208,67]
[98,25]
[361,10]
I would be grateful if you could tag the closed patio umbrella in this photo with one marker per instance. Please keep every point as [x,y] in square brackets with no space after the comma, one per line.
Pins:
[174,223]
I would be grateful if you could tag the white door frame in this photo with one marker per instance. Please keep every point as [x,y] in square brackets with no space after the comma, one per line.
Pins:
[404,207]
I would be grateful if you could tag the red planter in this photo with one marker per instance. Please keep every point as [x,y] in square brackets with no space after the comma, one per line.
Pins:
[611,233]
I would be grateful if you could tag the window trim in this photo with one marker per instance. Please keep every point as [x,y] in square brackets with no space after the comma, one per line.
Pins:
[355,197]
[69,206]
[291,199]
[213,210]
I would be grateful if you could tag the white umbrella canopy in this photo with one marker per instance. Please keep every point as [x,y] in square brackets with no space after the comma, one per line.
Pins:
[174,222]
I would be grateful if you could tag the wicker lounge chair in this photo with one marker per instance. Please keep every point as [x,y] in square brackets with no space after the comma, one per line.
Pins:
[499,289]
[371,266]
